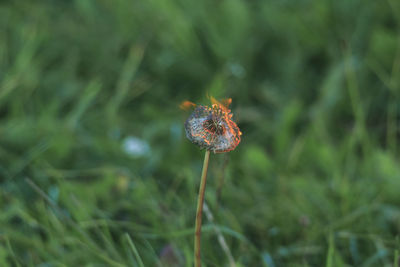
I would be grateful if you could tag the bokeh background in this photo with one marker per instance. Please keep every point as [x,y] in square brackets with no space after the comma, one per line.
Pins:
[95,168]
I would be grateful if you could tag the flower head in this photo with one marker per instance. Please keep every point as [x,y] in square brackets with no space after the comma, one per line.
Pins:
[212,127]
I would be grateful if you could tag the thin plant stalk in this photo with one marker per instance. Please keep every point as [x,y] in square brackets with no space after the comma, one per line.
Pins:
[199,212]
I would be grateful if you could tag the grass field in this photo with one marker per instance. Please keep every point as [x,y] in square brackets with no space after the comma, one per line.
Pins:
[95,168]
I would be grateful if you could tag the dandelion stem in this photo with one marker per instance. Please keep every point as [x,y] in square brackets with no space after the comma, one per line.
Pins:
[199,212]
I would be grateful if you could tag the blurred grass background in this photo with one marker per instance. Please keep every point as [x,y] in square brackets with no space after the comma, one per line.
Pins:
[95,169]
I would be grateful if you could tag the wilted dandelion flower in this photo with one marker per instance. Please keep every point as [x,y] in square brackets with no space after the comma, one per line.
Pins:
[212,127]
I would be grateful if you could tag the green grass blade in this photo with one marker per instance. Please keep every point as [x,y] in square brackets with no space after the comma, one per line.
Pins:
[331,251]
[134,250]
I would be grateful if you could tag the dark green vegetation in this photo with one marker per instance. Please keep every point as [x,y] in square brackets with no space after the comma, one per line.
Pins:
[316,92]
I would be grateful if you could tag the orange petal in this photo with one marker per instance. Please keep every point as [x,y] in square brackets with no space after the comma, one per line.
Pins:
[185,105]
[224,103]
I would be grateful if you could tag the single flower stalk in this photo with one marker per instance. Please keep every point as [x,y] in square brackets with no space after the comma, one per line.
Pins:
[213,129]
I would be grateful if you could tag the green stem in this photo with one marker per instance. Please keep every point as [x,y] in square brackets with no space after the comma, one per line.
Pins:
[200,201]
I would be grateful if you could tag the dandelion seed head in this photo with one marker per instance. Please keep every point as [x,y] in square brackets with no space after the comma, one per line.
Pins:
[212,128]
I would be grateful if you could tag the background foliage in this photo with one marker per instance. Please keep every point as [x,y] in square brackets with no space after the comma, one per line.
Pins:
[95,169]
